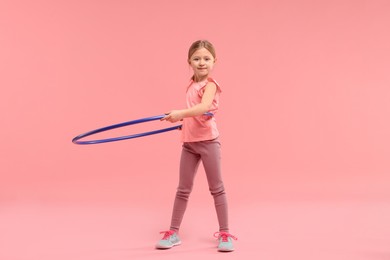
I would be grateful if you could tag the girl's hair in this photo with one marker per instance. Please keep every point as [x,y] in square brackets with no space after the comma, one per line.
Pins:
[201,44]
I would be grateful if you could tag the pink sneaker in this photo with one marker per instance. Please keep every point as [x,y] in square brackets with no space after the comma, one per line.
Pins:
[169,240]
[225,241]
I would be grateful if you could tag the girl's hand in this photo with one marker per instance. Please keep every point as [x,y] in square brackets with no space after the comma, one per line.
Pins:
[173,116]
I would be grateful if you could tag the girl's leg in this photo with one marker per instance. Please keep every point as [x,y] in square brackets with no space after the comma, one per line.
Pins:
[189,163]
[211,158]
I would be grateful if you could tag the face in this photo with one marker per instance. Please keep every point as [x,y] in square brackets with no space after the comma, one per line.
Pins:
[202,62]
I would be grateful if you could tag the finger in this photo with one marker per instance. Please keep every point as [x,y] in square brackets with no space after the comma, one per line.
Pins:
[166,116]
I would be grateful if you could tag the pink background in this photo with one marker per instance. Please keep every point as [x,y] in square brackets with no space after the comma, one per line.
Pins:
[304,120]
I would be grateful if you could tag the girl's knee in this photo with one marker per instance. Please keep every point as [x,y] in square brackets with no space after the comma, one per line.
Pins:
[183,193]
[220,190]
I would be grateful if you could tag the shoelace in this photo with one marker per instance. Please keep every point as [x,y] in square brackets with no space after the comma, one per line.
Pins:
[224,236]
[167,234]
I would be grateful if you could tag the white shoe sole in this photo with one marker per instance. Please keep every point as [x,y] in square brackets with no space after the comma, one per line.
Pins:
[225,250]
[167,247]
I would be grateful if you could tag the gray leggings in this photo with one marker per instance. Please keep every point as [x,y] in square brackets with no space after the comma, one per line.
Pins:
[210,154]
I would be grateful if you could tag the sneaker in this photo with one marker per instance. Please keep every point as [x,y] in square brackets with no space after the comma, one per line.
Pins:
[169,240]
[225,241]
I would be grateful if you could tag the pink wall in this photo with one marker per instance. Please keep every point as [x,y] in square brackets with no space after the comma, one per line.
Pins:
[305,108]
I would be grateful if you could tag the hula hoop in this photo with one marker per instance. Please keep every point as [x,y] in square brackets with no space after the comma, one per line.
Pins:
[120,138]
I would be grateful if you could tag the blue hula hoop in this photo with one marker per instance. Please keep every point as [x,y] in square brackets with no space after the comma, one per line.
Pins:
[76,140]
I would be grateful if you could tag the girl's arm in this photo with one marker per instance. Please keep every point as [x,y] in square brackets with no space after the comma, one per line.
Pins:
[197,110]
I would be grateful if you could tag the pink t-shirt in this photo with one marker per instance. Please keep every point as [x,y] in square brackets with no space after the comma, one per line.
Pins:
[200,128]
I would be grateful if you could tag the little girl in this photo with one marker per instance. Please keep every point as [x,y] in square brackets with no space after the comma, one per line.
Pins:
[200,143]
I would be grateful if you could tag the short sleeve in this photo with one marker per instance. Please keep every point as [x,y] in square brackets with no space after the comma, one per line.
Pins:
[202,88]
